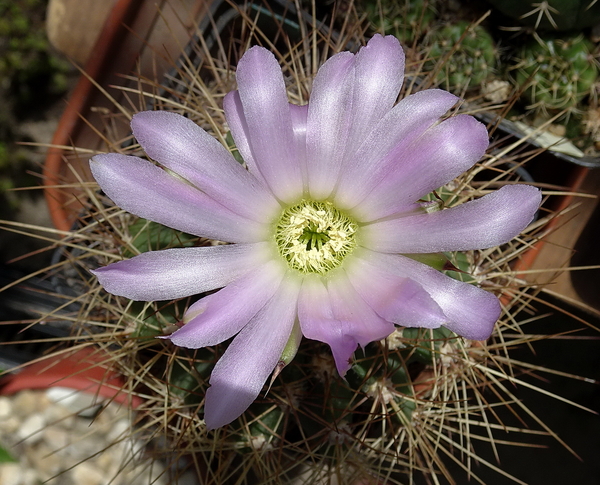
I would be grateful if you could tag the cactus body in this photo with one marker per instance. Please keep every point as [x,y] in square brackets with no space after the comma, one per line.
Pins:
[405,19]
[473,60]
[559,73]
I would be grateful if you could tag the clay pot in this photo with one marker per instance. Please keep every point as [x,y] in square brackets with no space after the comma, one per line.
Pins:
[81,370]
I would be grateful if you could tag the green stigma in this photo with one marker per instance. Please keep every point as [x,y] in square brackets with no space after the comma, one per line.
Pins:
[315,237]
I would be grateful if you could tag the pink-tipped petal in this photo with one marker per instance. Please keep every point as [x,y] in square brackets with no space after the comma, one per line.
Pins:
[176,273]
[319,323]
[329,122]
[365,325]
[241,372]
[183,147]
[441,154]
[396,299]
[471,311]
[493,219]
[379,73]
[376,158]
[338,316]
[217,317]
[148,191]
[269,122]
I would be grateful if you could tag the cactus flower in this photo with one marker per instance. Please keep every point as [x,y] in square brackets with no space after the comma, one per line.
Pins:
[318,222]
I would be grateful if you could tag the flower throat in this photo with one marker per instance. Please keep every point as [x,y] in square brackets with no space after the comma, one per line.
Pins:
[315,237]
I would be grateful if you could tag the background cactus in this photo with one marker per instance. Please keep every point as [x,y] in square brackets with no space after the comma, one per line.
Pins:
[473,57]
[408,20]
[558,73]
[559,15]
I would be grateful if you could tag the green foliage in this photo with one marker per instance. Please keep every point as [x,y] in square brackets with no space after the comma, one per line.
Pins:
[5,456]
[150,319]
[558,73]
[405,19]
[151,236]
[31,74]
[473,55]
[233,149]
[462,267]
[188,378]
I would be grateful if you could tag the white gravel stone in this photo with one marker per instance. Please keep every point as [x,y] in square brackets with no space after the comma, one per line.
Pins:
[30,477]
[57,438]
[76,402]
[44,460]
[87,474]
[55,444]
[31,428]
[11,474]
[5,408]
[9,426]
[119,430]
[25,403]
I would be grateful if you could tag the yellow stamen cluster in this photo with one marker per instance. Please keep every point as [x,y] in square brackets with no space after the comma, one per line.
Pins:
[315,237]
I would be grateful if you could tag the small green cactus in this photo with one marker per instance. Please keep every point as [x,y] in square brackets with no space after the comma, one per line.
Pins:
[405,19]
[558,73]
[473,57]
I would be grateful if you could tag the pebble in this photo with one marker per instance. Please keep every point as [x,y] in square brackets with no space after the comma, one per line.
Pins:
[31,428]
[10,474]
[28,402]
[86,474]
[5,408]
[54,443]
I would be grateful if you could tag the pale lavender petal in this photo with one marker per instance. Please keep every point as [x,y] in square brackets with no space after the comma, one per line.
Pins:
[328,125]
[318,322]
[336,315]
[366,326]
[493,219]
[217,317]
[397,299]
[376,158]
[183,147]
[443,153]
[269,122]
[234,114]
[379,75]
[471,311]
[179,272]
[241,372]
[148,191]
[299,120]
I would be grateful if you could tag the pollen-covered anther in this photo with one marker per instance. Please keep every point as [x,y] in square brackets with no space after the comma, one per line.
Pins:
[315,237]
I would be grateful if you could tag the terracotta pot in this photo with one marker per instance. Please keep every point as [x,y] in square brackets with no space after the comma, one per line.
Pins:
[82,370]
[138,35]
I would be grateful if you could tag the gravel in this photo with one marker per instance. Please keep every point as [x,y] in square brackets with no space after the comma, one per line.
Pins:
[61,437]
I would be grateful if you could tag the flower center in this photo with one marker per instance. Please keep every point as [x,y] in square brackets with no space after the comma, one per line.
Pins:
[315,237]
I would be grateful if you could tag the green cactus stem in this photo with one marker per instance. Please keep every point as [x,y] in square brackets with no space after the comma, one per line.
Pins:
[558,73]
[405,19]
[473,59]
